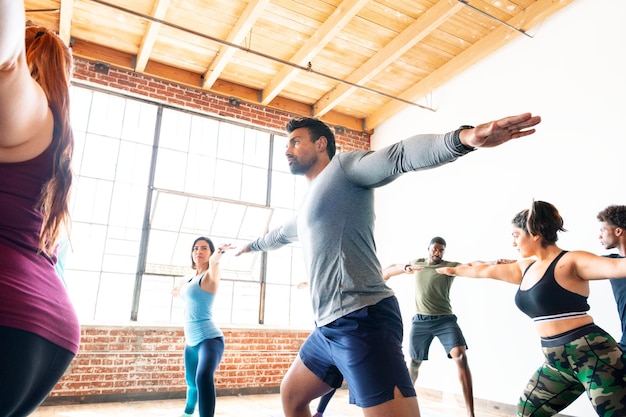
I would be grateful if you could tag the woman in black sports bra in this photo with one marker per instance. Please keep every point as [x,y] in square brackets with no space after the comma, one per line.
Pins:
[580,356]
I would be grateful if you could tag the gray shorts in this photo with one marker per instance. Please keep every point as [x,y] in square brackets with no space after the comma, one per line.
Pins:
[424,329]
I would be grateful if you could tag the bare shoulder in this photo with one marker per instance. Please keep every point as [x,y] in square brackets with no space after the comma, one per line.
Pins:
[575,256]
[26,121]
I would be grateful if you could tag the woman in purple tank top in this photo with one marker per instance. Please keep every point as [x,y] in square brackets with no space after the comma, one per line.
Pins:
[39,329]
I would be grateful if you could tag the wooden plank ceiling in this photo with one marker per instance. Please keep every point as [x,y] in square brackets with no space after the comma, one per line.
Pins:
[353,63]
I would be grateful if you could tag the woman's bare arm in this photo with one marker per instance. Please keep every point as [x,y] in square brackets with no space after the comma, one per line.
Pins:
[26,122]
[507,272]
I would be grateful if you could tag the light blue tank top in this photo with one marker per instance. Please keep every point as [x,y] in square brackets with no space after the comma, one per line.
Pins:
[198,313]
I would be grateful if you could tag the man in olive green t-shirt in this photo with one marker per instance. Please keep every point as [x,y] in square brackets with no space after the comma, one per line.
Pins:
[434,316]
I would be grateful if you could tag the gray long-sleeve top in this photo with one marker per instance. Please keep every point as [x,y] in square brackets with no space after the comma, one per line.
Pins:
[335,223]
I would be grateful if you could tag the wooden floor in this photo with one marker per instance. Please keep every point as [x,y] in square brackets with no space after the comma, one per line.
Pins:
[263,405]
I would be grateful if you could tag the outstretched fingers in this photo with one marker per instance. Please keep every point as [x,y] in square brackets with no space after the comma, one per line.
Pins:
[497,132]
[518,126]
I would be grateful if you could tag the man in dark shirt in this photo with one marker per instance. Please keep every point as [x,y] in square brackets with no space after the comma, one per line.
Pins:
[613,236]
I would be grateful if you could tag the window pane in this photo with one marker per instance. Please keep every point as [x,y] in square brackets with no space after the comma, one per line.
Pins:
[228,180]
[256,148]
[133,163]
[227,219]
[115,296]
[80,103]
[203,136]
[170,170]
[82,287]
[156,303]
[99,158]
[254,222]
[301,311]
[161,247]
[290,306]
[139,122]
[178,219]
[279,271]
[175,129]
[91,200]
[277,302]
[279,162]
[283,185]
[106,115]
[231,140]
[167,211]
[223,304]
[254,185]
[127,205]
[112,165]
[200,175]
[245,303]
[211,179]
[298,271]
[87,247]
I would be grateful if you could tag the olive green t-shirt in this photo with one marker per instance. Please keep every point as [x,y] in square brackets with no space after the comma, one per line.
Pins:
[432,290]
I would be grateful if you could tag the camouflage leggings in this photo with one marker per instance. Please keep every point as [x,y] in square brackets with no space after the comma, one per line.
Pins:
[586,359]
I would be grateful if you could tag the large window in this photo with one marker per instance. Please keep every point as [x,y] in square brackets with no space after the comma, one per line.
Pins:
[150,179]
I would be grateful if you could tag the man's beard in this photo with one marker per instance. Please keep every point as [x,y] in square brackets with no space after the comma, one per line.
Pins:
[298,168]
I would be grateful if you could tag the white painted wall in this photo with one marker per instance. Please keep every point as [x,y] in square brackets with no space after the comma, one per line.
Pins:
[572,74]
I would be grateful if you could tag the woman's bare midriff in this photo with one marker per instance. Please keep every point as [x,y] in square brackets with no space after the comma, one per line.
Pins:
[557,327]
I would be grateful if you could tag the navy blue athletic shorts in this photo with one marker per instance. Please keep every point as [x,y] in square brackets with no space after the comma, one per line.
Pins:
[424,329]
[366,347]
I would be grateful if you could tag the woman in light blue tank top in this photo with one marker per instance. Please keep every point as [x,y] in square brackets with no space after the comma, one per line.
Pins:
[204,341]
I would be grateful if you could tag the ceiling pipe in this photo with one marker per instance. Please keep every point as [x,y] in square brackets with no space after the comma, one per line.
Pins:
[308,68]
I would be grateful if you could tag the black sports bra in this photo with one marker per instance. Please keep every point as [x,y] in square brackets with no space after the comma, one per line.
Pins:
[547,300]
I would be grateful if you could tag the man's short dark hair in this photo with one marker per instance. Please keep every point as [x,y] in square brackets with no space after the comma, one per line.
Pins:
[317,129]
[614,215]
[439,240]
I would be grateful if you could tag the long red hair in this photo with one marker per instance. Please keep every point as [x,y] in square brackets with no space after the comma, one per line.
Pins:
[50,63]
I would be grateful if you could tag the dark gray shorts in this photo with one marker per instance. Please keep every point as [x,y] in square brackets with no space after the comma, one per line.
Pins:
[424,329]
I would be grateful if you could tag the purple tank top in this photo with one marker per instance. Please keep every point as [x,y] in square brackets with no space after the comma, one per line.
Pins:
[32,296]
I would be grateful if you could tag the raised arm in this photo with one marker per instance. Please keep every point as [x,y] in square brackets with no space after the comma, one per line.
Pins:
[11,31]
[211,280]
[488,135]
[276,238]
[26,122]
[423,151]
[589,266]
[497,261]
[507,272]
[397,269]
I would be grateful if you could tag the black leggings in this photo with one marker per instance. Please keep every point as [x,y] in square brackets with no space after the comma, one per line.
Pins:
[30,367]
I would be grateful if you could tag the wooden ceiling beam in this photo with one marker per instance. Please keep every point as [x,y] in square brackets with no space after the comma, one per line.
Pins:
[413,34]
[237,35]
[340,17]
[65,20]
[147,43]
[534,14]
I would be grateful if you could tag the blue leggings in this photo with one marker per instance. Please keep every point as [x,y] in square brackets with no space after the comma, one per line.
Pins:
[30,367]
[201,361]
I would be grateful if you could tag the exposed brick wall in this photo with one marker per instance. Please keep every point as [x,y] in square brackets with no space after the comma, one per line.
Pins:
[160,91]
[139,362]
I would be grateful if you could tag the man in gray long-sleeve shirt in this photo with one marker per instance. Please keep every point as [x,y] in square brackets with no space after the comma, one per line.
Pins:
[358,323]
